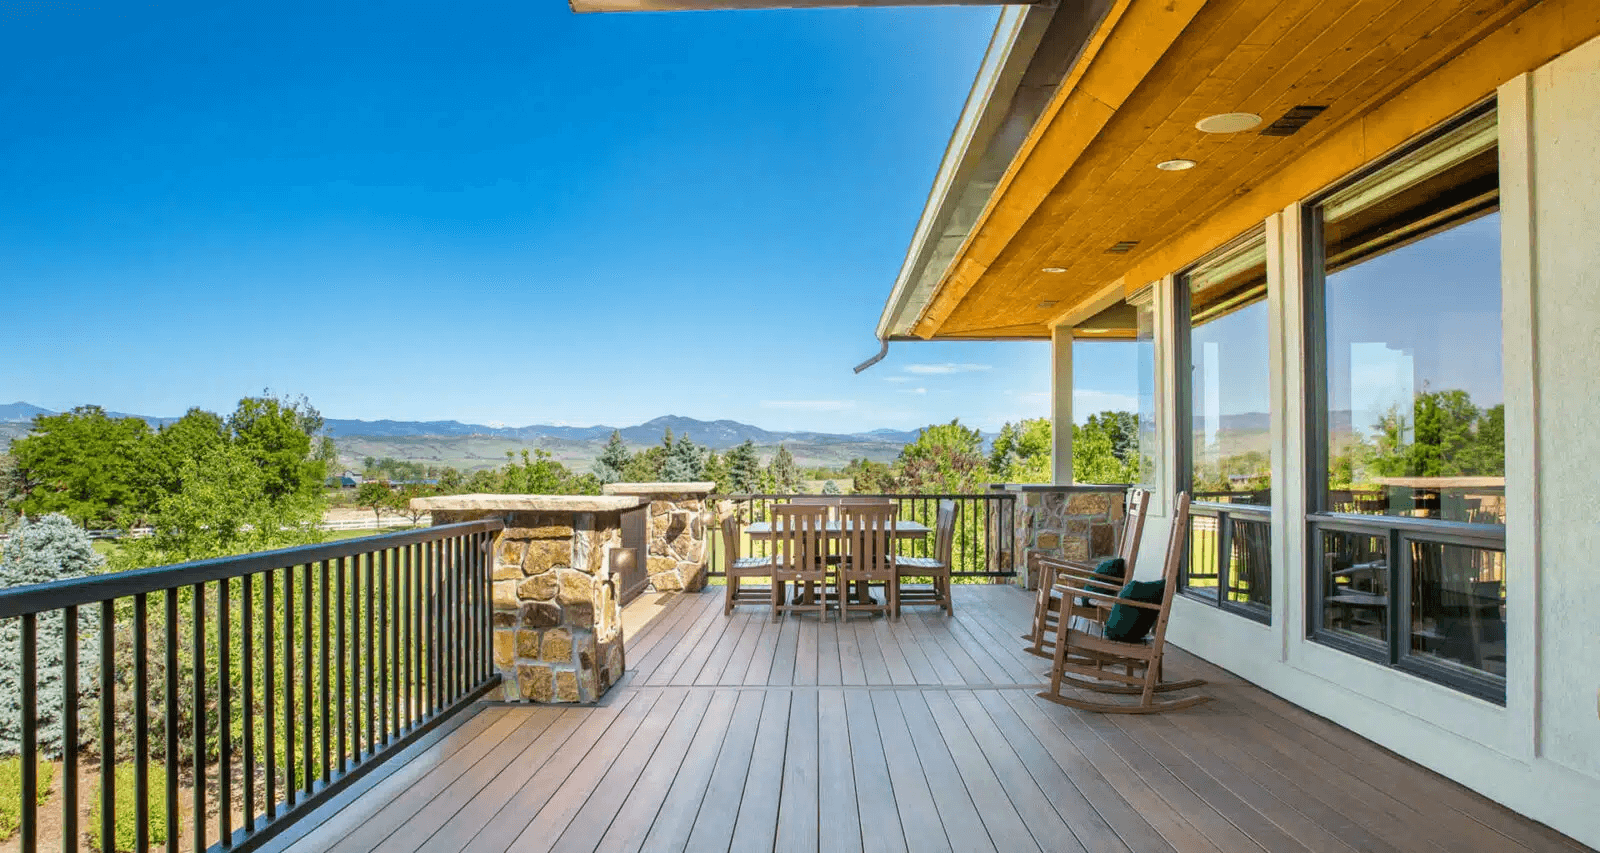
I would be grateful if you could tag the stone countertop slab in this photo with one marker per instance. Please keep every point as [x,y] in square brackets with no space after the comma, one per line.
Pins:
[657,488]
[529,503]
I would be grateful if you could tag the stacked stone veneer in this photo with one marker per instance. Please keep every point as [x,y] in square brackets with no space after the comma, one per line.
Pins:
[1075,522]
[676,536]
[557,620]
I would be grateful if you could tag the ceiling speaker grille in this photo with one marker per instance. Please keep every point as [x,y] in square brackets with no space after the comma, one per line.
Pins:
[1293,120]
[1122,248]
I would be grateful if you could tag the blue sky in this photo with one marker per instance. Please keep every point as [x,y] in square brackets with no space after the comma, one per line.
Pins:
[493,213]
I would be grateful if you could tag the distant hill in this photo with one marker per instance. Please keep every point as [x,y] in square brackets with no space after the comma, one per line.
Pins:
[470,446]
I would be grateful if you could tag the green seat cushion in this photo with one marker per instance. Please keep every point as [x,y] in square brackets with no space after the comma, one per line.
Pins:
[1128,624]
[1114,567]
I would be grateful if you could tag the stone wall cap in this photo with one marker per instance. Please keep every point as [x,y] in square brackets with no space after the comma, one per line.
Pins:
[704,488]
[529,503]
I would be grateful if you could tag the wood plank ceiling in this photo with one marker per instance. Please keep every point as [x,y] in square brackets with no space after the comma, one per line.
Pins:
[1234,56]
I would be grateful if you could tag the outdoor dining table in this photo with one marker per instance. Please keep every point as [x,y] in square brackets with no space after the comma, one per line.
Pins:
[835,530]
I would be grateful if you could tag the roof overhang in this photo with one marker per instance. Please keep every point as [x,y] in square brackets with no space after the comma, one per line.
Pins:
[1020,237]
[1029,54]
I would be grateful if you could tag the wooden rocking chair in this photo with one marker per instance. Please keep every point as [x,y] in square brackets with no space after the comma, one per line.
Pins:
[1055,571]
[1087,660]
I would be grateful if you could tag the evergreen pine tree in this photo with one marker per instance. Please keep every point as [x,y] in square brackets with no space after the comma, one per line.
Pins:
[613,460]
[52,548]
[683,463]
[744,469]
[785,474]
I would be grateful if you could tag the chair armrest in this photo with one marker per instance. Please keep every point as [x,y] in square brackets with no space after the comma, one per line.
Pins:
[1098,598]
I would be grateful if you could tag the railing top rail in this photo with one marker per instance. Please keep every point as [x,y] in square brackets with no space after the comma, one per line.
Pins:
[1251,510]
[38,598]
[973,496]
[1059,487]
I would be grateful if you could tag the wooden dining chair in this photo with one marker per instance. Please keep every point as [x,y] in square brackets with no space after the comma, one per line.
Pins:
[799,556]
[937,567]
[867,540]
[738,568]
[1130,638]
[1054,571]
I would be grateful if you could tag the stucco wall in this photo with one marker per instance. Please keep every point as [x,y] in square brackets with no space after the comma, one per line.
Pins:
[1540,753]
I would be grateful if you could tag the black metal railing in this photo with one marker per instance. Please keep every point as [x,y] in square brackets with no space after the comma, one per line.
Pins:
[282,677]
[1230,557]
[982,541]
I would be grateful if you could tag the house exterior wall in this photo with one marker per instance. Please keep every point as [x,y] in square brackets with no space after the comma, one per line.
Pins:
[1539,754]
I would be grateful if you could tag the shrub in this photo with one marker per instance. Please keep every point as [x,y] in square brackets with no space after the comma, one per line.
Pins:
[11,792]
[126,819]
[49,549]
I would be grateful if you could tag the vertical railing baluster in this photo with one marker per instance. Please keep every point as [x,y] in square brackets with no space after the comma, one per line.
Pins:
[225,714]
[247,600]
[308,777]
[141,723]
[340,671]
[414,634]
[383,649]
[170,648]
[452,570]
[108,724]
[197,607]
[291,763]
[485,615]
[325,686]
[69,730]
[430,624]
[269,687]
[29,820]
[368,658]
[353,615]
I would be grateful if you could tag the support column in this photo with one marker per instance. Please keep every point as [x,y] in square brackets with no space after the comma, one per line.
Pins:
[1061,405]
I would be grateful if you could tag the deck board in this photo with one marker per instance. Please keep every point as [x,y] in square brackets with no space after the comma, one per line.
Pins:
[749,732]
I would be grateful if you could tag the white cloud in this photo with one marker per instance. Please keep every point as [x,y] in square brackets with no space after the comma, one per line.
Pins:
[897,379]
[808,405]
[946,367]
[913,390]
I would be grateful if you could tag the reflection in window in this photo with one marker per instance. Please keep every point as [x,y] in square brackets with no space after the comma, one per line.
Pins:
[1458,606]
[1229,398]
[1250,562]
[1355,578]
[1415,415]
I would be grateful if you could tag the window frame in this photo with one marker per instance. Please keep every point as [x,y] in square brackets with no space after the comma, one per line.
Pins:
[1399,531]
[1183,477]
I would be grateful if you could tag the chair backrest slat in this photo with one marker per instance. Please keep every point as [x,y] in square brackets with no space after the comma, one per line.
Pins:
[1174,566]
[799,538]
[730,538]
[944,535]
[868,536]
[1133,528]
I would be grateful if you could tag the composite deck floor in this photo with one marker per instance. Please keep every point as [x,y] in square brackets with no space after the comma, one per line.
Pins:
[746,733]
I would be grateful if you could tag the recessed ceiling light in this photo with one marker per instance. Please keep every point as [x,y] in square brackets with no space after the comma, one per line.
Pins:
[1175,165]
[1228,123]
[1054,270]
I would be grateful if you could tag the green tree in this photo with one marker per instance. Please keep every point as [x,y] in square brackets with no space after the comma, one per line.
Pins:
[277,436]
[830,488]
[684,462]
[868,477]
[376,496]
[224,505]
[1022,451]
[540,474]
[944,459]
[744,469]
[613,460]
[85,465]
[1105,449]
[785,475]
[50,549]
[192,436]
[716,470]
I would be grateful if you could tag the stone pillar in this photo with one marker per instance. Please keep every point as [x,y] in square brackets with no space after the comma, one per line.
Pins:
[677,534]
[557,619]
[1075,522]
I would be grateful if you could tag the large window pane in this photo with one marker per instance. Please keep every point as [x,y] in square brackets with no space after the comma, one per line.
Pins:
[1355,578]
[1250,562]
[1411,301]
[1230,401]
[1458,606]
